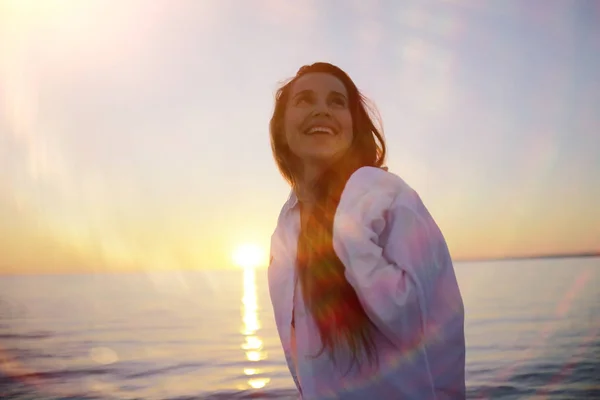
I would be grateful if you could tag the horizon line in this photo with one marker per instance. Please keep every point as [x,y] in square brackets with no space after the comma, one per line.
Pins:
[585,254]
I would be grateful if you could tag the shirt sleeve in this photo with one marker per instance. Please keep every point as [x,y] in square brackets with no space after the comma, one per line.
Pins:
[390,253]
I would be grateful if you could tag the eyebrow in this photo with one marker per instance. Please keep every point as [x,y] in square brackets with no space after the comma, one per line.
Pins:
[310,91]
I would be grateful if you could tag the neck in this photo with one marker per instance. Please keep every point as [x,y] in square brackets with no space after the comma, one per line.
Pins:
[310,173]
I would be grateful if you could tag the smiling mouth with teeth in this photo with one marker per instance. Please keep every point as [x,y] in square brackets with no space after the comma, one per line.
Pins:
[315,130]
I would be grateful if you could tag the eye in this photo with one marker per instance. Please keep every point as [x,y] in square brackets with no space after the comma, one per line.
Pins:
[302,98]
[339,101]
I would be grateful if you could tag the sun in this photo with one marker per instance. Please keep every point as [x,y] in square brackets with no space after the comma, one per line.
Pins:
[248,256]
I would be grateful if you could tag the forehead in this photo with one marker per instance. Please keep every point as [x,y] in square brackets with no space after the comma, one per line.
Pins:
[319,82]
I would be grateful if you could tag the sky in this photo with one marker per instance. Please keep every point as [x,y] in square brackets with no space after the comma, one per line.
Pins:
[134,134]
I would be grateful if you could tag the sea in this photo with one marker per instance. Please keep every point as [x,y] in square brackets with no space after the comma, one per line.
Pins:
[532,332]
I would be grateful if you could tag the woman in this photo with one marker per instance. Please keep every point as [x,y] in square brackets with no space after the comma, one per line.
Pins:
[364,293]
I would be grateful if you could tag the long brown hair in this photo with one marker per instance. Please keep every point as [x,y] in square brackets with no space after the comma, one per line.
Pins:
[331,300]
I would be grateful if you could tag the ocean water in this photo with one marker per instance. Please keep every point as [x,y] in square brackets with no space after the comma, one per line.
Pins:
[532,331]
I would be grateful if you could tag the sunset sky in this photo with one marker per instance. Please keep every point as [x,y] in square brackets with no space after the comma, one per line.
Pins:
[133,133]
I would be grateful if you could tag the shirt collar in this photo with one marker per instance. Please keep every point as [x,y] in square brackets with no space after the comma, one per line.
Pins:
[292,201]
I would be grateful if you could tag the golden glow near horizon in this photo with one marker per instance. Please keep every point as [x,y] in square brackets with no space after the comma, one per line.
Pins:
[253,344]
[249,256]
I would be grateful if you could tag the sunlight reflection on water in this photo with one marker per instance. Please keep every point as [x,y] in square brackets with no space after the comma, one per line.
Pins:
[253,344]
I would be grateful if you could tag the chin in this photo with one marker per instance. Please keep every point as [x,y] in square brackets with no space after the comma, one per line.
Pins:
[321,157]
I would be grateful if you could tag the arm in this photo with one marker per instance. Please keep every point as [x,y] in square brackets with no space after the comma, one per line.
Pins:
[390,258]
[398,263]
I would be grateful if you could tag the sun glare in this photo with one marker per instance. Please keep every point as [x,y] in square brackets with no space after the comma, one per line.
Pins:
[248,256]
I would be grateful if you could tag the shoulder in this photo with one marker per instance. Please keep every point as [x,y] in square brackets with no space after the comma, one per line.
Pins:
[378,185]
[283,221]
[287,206]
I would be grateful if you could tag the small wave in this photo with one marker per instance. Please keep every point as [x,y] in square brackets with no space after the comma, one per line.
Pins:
[497,392]
[32,335]
[263,363]
[159,371]
[547,373]
[281,394]
[58,374]
[570,380]
[533,378]
[16,391]
[22,354]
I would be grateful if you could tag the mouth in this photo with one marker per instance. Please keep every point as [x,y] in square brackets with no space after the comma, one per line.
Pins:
[320,130]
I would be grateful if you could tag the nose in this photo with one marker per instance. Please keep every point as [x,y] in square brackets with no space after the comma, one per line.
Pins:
[321,108]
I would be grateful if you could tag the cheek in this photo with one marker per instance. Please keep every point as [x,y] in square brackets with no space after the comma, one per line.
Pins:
[348,127]
[290,126]
[290,136]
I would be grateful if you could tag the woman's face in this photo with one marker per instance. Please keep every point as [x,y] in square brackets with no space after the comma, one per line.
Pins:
[318,122]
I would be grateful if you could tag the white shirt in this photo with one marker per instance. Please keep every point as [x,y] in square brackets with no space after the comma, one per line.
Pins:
[397,261]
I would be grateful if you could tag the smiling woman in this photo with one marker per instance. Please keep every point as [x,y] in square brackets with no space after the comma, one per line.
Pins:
[362,284]
[248,256]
